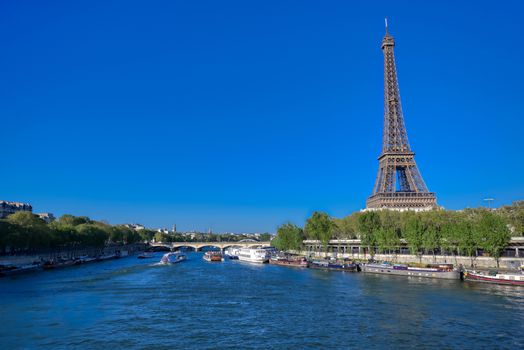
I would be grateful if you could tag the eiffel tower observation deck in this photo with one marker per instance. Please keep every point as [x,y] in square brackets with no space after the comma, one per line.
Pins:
[399,184]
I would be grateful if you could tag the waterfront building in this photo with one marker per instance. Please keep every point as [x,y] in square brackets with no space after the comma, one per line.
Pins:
[47,217]
[7,208]
[399,184]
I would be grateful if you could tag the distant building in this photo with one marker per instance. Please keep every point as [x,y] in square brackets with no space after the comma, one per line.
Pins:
[47,217]
[8,208]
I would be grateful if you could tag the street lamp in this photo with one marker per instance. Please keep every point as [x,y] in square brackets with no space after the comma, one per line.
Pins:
[489,200]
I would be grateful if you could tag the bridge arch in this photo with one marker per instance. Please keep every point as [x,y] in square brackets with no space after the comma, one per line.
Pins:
[199,247]
[175,246]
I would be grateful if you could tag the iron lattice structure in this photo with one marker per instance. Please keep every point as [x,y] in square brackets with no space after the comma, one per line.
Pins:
[399,184]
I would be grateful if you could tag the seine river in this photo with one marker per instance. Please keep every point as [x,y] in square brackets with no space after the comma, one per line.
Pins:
[135,304]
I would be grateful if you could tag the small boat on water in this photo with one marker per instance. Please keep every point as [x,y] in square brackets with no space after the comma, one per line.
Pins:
[511,279]
[172,258]
[213,256]
[445,271]
[254,255]
[145,255]
[334,265]
[286,260]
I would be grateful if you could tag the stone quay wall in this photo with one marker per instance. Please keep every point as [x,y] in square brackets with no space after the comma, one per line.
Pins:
[18,260]
[481,262]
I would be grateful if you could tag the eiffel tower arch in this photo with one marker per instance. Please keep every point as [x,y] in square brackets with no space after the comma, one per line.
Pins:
[399,184]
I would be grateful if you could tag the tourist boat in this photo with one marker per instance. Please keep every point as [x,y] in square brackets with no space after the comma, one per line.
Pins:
[512,279]
[232,252]
[444,271]
[145,255]
[334,265]
[254,255]
[285,260]
[213,256]
[172,258]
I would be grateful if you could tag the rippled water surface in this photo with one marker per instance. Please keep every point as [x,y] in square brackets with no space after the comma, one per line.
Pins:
[135,304]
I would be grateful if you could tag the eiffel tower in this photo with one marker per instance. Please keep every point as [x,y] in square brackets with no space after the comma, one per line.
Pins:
[399,185]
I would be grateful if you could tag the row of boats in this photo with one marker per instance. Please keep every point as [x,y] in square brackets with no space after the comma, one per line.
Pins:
[57,263]
[439,271]
[271,256]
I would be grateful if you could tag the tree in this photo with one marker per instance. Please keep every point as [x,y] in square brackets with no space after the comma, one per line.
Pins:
[91,235]
[320,226]
[368,226]
[494,234]
[347,227]
[28,231]
[265,237]
[147,235]
[414,234]
[6,229]
[289,237]
[387,240]
[71,220]
[513,215]
[431,240]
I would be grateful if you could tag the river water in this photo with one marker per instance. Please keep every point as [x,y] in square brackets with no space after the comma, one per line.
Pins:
[136,304]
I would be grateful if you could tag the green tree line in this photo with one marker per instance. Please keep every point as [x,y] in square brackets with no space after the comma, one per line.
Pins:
[24,231]
[439,231]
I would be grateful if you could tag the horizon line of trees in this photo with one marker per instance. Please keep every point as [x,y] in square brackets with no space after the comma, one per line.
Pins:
[456,232]
[24,231]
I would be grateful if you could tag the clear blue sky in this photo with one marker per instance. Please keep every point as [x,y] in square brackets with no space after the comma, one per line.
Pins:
[240,115]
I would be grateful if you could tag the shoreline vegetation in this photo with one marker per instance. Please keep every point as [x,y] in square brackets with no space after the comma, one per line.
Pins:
[468,232]
[24,233]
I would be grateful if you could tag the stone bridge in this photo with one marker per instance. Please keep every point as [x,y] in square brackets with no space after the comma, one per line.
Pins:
[221,245]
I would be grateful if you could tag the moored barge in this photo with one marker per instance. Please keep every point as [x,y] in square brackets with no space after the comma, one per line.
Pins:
[347,266]
[443,271]
[288,261]
[510,279]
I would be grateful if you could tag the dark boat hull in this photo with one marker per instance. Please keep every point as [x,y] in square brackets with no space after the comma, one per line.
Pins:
[491,279]
[383,270]
[334,267]
[292,263]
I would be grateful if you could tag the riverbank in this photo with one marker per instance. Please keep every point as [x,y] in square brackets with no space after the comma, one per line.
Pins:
[70,254]
[479,262]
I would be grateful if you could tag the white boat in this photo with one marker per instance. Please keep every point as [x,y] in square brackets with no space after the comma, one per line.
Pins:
[255,255]
[172,258]
[232,252]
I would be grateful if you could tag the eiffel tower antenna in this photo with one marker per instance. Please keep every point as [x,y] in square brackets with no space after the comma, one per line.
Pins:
[399,184]
[386,21]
